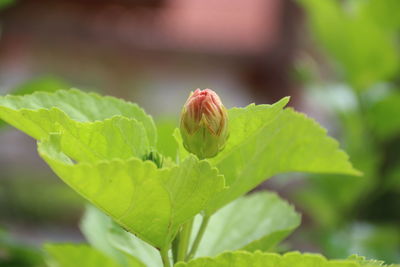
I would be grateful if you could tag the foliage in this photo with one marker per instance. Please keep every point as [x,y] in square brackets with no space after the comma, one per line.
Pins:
[15,254]
[97,144]
[355,36]
[361,40]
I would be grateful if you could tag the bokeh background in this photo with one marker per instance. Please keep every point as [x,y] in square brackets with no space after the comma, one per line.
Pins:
[338,60]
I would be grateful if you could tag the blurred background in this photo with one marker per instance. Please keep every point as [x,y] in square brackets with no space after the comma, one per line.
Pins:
[338,60]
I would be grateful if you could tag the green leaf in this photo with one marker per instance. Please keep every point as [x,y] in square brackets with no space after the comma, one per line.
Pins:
[364,262]
[43,84]
[105,235]
[266,140]
[40,113]
[131,245]
[68,255]
[149,202]
[115,138]
[254,222]
[166,144]
[95,226]
[292,259]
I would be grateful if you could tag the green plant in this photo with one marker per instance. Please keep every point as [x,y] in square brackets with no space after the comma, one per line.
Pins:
[106,149]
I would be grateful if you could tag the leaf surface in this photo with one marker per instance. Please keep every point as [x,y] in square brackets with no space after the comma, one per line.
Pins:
[253,222]
[105,235]
[149,202]
[69,255]
[266,140]
[259,259]
[40,113]
[95,226]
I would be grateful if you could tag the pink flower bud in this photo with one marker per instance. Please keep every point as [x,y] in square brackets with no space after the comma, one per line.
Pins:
[204,124]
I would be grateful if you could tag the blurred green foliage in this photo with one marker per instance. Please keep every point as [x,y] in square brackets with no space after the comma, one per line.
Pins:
[15,254]
[6,3]
[39,200]
[360,215]
[359,36]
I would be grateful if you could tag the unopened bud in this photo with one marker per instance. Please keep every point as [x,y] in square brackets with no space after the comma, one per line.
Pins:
[155,157]
[204,124]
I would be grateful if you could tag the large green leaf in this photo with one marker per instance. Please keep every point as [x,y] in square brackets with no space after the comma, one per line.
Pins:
[69,255]
[103,234]
[266,140]
[259,259]
[149,202]
[40,113]
[254,222]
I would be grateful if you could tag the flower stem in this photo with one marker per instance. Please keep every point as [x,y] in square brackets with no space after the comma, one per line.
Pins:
[184,240]
[199,236]
[165,257]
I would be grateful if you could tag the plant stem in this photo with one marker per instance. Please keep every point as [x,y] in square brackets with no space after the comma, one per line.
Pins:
[184,240]
[175,247]
[165,257]
[199,236]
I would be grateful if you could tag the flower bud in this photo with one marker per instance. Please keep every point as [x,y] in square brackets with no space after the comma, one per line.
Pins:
[155,157]
[204,124]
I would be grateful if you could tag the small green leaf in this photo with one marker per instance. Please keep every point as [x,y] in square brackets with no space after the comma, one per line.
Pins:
[266,140]
[260,259]
[40,113]
[254,222]
[69,255]
[152,203]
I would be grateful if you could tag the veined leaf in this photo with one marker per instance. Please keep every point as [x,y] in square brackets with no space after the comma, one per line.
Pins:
[69,255]
[266,140]
[149,202]
[254,222]
[260,259]
[115,138]
[40,113]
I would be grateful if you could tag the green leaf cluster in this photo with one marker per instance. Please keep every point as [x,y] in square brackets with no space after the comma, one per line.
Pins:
[97,144]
